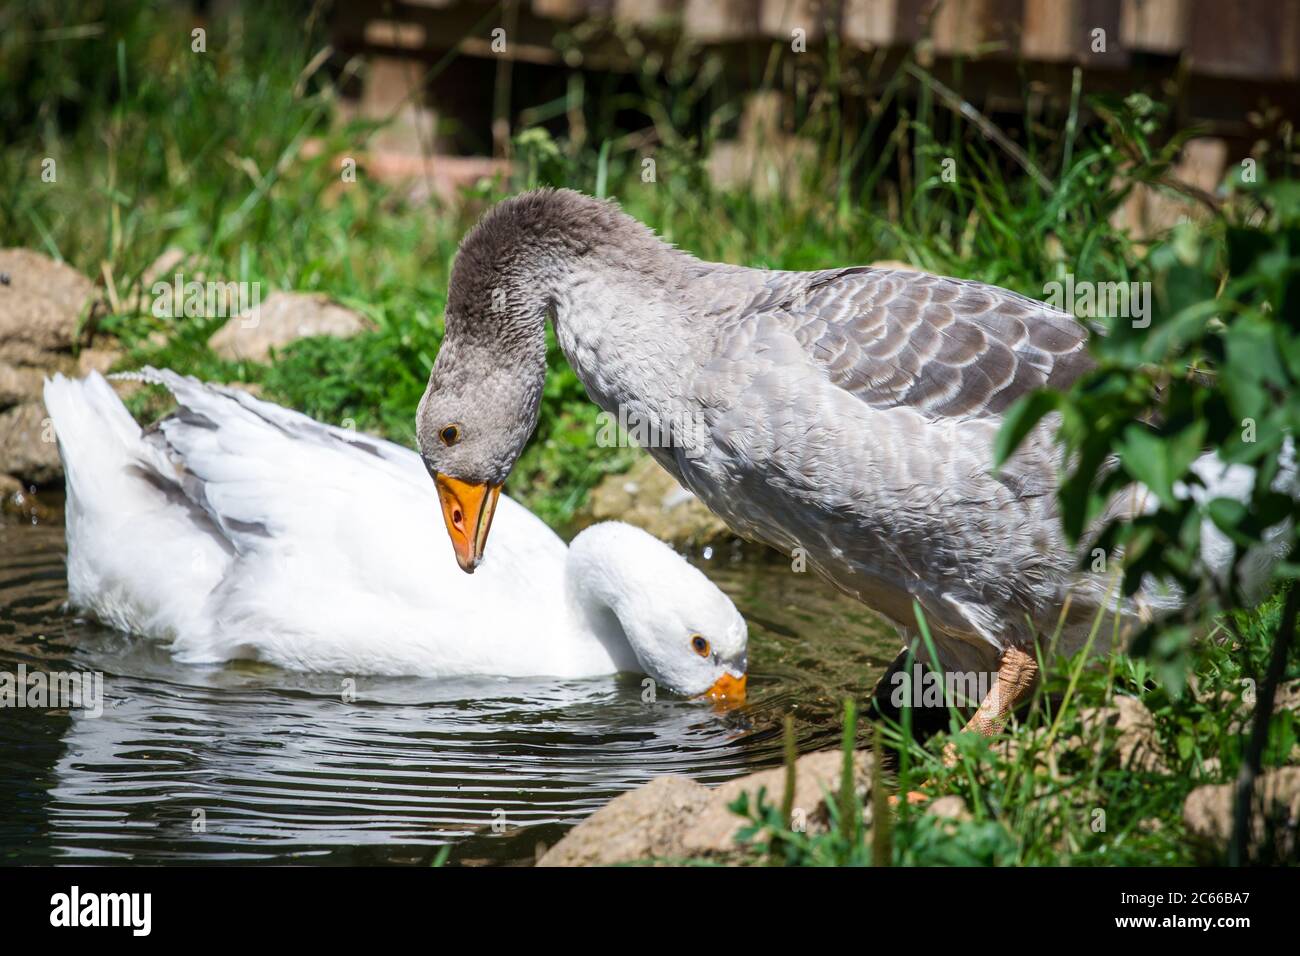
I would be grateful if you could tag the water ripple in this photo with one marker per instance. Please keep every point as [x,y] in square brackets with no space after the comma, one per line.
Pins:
[245,762]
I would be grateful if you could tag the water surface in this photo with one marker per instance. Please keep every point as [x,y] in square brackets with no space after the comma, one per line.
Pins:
[246,762]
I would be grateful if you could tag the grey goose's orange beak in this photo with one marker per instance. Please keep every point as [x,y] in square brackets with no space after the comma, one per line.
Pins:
[467,509]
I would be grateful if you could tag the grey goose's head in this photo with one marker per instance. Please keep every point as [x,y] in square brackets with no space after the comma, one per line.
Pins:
[481,404]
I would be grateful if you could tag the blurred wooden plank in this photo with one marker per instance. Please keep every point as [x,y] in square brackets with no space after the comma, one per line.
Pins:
[559,9]
[962,27]
[1290,34]
[1051,30]
[717,21]
[1104,16]
[1251,39]
[1159,26]
[1149,211]
[868,24]
[912,20]
[395,34]
[778,18]
[647,13]
[392,90]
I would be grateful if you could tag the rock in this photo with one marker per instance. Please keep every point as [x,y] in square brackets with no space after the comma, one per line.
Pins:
[714,830]
[672,818]
[283,318]
[1288,696]
[170,263]
[41,307]
[164,268]
[1133,729]
[1207,813]
[17,501]
[643,824]
[99,359]
[18,383]
[1243,712]
[27,446]
[949,807]
[651,499]
[12,493]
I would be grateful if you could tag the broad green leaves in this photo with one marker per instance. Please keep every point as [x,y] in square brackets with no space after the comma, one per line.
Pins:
[1216,371]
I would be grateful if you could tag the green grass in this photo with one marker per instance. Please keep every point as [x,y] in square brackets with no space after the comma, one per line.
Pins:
[232,157]
[1054,789]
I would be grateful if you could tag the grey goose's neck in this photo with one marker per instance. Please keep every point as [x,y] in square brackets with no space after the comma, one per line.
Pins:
[614,289]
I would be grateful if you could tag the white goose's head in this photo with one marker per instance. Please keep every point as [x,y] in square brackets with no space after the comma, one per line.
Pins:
[657,613]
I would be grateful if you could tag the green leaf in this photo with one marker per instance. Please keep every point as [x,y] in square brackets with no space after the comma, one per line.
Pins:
[1159,461]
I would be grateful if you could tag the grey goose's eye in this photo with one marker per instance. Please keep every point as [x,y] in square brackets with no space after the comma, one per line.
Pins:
[450,434]
[700,645]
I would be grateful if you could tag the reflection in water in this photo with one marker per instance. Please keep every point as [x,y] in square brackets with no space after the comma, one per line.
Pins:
[247,762]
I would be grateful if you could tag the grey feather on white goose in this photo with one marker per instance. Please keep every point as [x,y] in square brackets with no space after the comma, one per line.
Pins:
[849,413]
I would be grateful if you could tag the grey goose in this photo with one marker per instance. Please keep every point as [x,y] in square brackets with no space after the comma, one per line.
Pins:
[846,416]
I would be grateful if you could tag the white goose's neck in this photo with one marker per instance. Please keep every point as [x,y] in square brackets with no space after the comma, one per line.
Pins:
[597,599]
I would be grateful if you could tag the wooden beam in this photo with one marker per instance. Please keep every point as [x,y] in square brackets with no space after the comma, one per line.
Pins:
[1159,26]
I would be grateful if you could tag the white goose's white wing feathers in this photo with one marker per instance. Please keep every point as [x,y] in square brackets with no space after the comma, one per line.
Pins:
[237,528]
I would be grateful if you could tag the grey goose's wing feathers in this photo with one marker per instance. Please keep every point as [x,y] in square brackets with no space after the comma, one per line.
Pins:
[946,347]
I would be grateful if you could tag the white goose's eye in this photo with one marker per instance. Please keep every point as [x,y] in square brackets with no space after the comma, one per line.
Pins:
[700,645]
[450,434]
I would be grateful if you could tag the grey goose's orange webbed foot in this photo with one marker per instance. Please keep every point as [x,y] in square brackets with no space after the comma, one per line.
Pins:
[1017,676]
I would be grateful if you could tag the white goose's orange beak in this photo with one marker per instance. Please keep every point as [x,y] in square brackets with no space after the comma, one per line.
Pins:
[467,509]
[728,691]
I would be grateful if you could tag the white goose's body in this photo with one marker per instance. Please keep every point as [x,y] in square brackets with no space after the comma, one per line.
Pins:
[239,529]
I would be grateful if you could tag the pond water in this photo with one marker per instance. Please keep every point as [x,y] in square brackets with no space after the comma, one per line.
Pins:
[246,762]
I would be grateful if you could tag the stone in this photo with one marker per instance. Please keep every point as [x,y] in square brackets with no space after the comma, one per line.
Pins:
[164,268]
[19,383]
[650,498]
[641,825]
[99,359]
[17,501]
[949,807]
[27,448]
[1287,698]
[671,819]
[42,307]
[714,830]
[284,317]
[1132,727]
[1207,813]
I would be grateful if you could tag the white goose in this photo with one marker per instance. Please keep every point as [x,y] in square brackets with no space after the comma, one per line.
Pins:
[235,528]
